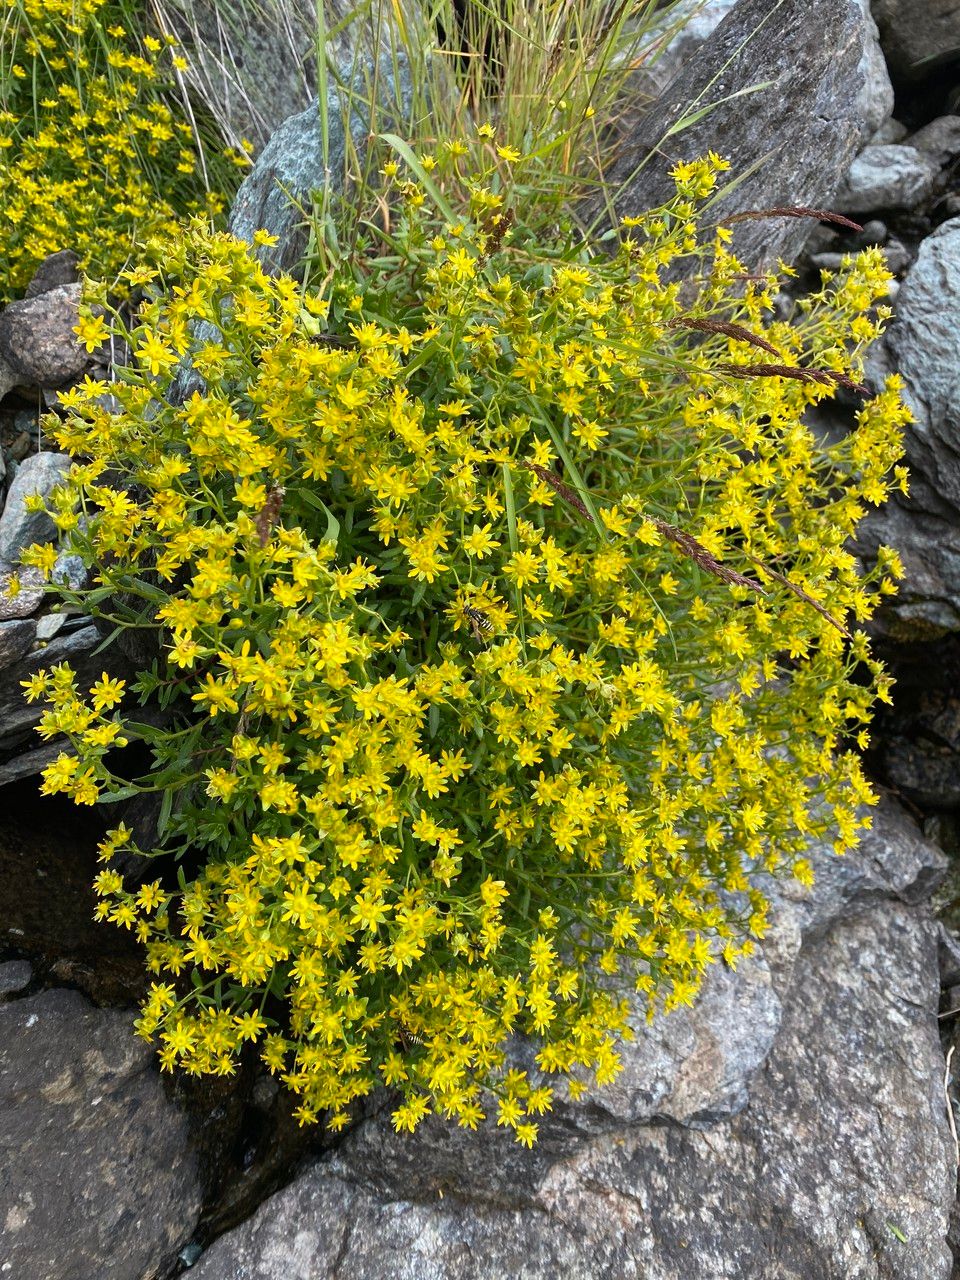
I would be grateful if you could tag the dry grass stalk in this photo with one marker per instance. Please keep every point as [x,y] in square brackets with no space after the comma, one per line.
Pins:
[269,514]
[557,485]
[735,331]
[701,556]
[802,595]
[792,211]
[824,377]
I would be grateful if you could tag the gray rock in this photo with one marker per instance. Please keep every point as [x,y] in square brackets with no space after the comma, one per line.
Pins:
[55,270]
[841,1164]
[899,257]
[927,604]
[29,597]
[924,772]
[874,232]
[99,1180]
[918,35]
[254,65]
[39,474]
[17,716]
[827,261]
[890,131]
[37,339]
[875,103]
[923,345]
[9,378]
[806,53]
[17,638]
[893,176]
[291,167]
[50,624]
[69,570]
[689,24]
[827,245]
[940,139]
[28,764]
[15,975]
[693,1066]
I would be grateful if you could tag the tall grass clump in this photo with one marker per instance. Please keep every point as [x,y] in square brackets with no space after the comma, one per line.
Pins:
[550,77]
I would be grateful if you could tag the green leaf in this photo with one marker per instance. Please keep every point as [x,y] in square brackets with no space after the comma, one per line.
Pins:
[166,807]
[511,508]
[145,732]
[573,471]
[146,589]
[403,150]
[108,640]
[88,598]
[691,117]
[332,532]
[121,793]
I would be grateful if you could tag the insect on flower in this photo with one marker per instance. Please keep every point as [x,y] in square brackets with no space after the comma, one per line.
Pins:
[408,1040]
[480,624]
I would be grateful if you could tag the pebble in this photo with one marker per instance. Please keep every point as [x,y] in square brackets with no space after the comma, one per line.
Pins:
[15,976]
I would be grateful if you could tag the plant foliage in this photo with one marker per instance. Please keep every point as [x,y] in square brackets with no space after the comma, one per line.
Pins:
[92,156]
[507,634]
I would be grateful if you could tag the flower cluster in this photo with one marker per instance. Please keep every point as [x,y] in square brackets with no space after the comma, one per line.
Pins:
[92,156]
[506,633]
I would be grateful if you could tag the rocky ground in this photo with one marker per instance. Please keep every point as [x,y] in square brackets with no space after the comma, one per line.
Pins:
[798,1122]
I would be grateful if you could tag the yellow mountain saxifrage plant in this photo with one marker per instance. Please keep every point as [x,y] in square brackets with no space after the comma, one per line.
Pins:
[92,158]
[505,633]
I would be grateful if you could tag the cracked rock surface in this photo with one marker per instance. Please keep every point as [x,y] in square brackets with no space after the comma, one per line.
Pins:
[923,346]
[792,139]
[96,1178]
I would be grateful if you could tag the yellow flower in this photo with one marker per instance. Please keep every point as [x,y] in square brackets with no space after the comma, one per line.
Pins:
[480,542]
[92,331]
[107,692]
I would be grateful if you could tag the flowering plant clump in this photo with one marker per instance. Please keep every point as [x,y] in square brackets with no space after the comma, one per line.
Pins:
[92,157]
[506,633]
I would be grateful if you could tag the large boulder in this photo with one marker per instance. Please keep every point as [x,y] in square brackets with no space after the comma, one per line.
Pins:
[833,1158]
[255,64]
[689,23]
[37,342]
[276,195]
[97,1177]
[766,72]
[918,35]
[888,176]
[923,345]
